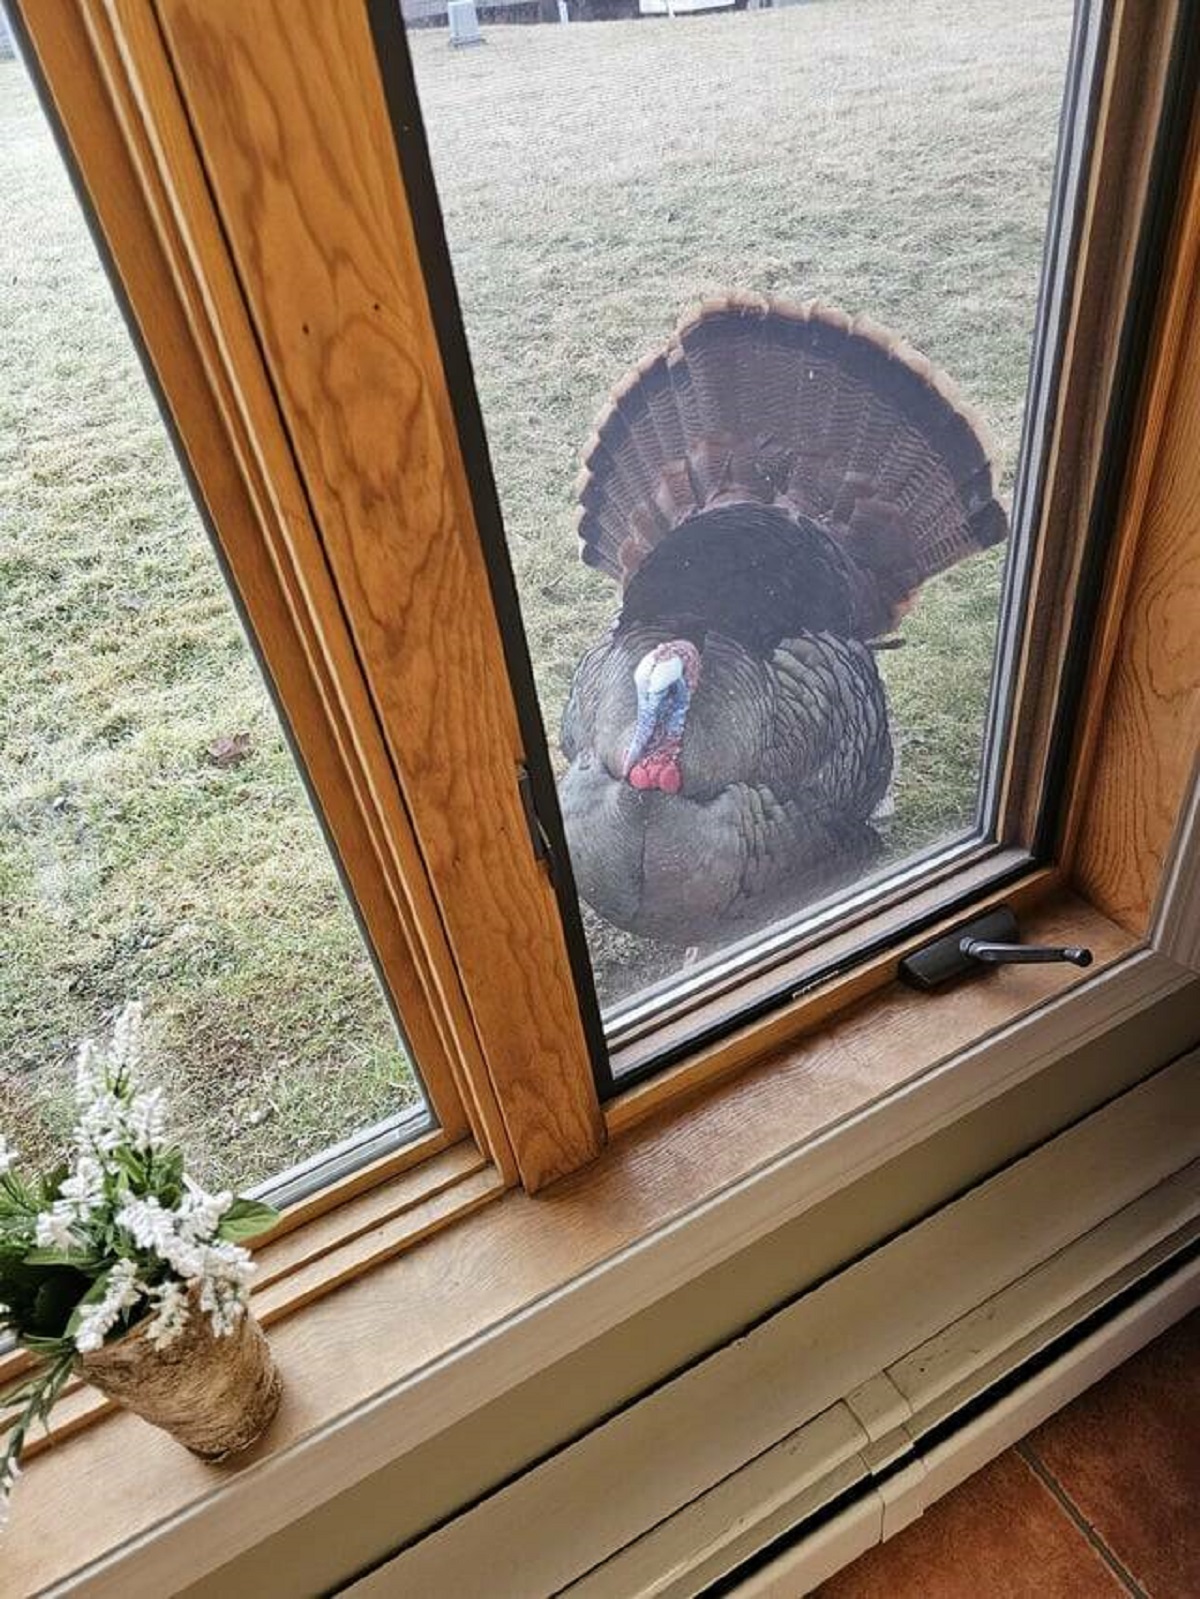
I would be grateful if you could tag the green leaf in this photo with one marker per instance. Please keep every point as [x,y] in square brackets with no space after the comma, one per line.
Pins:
[17,1197]
[133,1165]
[50,1183]
[168,1176]
[81,1259]
[48,1347]
[246,1219]
[15,1240]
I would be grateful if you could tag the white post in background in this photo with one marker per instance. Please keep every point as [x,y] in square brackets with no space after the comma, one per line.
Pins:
[464,22]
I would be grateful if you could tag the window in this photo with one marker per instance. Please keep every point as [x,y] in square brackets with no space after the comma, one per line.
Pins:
[421,632]
[793,287]
[156,837]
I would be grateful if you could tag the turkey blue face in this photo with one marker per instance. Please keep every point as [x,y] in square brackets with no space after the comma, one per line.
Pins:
[665,678]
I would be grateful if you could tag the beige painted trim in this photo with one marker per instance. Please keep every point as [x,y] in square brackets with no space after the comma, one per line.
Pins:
[874,1355]
[814,1559]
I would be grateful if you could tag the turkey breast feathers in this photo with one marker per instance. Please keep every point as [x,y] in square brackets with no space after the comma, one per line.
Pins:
[784,761]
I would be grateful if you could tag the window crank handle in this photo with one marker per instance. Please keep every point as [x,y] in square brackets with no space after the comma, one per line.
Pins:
[980,949]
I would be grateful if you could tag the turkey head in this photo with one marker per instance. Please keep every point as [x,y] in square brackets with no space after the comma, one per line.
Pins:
[770,490]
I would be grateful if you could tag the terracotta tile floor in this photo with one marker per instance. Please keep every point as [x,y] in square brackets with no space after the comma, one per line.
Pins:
[1103,1499]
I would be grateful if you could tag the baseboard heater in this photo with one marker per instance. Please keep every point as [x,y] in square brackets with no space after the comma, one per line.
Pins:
[832,1424]
[1174,1281]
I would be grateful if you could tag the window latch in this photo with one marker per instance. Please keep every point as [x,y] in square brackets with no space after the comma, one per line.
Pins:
[992,939]
[543,851]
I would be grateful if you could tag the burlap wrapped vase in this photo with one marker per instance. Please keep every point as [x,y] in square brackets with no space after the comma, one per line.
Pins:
[214,1395]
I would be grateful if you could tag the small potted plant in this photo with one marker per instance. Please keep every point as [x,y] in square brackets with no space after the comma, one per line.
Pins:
[120,1269]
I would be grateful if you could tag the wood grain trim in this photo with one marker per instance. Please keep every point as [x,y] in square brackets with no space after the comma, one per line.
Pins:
[1166,354]
[1116,193]
[657,1169]
[1137,759]
[288,108]
[120,113]
[815,1009]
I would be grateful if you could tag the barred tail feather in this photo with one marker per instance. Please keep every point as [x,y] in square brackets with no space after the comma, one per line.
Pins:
[829,419]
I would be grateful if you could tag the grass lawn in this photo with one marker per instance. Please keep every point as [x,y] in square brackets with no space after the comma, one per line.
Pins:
[130,862]
[893,157]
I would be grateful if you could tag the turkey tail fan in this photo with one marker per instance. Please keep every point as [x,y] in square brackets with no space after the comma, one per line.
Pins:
[831,420]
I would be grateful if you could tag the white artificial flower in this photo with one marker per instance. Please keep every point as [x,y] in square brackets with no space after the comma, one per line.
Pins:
[224,1283]
[201,1212]
[53,1229]
[151,1226]
[146,1120]
[125,1050]
[84,1188]
[124,1290]
[221,1271]
[170,1314]
[7,1156]
[10,1470]
[103,1126]
[90,1076]
[225,1303]
[80,1195]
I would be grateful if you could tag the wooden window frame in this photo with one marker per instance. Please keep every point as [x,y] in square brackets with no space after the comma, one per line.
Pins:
[503,1053]
[400,326]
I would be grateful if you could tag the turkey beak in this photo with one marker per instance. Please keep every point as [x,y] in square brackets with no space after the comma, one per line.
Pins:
[643,732]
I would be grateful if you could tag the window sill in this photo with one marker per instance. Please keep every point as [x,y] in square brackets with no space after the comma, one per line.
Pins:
[490,1300]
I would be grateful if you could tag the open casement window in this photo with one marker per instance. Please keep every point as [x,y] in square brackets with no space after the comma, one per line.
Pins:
[326,232]
[819,673]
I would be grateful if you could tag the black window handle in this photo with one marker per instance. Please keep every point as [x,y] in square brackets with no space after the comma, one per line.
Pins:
[979,949]
[989,939]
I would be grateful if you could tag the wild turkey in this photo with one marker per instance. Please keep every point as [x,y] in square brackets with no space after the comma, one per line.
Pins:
[770,490]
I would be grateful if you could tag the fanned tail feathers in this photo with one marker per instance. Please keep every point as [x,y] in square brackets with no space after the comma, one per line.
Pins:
[798,407]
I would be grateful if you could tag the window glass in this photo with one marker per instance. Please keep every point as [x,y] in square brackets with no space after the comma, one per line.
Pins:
[750,296]
[156,840]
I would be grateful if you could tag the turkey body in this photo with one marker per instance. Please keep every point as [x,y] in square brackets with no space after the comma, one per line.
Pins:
[787,756]
[770,490]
